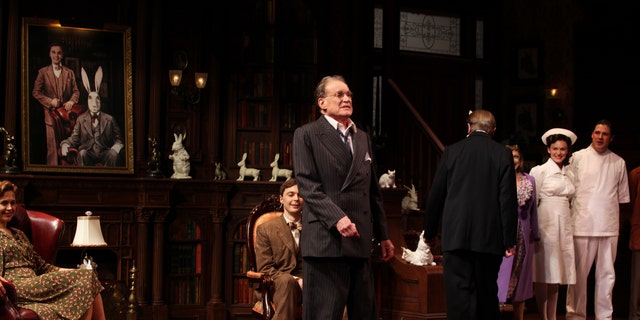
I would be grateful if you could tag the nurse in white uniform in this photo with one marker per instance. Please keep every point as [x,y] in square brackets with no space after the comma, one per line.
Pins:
[554,262]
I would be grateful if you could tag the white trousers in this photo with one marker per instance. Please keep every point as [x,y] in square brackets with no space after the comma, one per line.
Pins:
[634,296]
[603,251]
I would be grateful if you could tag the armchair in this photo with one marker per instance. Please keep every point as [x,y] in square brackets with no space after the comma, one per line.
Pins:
[43,230]
[63,123]
[266,210]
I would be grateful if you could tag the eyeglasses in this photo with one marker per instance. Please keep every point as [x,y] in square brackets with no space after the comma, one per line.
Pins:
[341,94]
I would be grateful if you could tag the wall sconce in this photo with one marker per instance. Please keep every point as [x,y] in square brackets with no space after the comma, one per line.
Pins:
[552,93]
[187,94]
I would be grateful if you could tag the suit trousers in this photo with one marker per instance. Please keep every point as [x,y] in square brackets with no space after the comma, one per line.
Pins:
[287,296]
[338,282]
[470,283]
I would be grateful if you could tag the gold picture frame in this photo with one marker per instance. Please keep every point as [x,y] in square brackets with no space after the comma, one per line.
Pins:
[97,60]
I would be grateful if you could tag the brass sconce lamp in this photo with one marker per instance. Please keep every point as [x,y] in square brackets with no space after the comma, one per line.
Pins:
[552,93]
[187,94]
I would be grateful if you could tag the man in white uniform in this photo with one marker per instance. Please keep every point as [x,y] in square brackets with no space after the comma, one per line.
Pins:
[601,183]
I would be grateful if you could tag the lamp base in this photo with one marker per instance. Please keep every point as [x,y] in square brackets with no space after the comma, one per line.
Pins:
[154,174]
[87,263]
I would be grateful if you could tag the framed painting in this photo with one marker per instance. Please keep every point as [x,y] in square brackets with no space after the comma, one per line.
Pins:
[77,104]
[428,33]
[526,118]
[528,64]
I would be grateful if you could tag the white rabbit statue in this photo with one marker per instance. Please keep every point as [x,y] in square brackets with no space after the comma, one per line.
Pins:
[388,180]
[180,157]
[247,172]
[422,256]
[410,201]
[277,172]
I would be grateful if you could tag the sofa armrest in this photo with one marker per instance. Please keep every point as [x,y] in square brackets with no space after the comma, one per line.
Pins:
[8,301]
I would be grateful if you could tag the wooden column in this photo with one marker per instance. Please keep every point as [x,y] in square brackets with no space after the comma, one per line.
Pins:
[158,257]
[12,68]
[143,216]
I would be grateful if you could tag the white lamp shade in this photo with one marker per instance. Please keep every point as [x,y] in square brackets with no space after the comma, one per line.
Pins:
[88,232]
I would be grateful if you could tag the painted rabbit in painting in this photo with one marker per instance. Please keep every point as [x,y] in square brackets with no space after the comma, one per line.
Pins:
[96,133]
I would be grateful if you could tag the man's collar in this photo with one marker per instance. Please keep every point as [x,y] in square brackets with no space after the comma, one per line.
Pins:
[334,123]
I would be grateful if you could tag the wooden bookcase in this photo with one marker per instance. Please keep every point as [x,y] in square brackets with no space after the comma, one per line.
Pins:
[272,82]
[242,293]
[184,262]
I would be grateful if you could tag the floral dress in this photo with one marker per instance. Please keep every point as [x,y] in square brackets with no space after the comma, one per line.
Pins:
[515,279]
[42,287]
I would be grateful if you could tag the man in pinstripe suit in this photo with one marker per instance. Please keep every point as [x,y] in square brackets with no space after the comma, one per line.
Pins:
[343,209]
[474,189]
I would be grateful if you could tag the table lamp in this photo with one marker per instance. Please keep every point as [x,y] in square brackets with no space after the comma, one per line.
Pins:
[88,234]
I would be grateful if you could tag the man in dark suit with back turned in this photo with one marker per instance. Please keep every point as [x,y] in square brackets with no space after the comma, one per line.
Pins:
[474,189]
[343,209]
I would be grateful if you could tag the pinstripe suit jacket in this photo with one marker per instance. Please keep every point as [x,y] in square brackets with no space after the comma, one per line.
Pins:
[333,184]
[276,252]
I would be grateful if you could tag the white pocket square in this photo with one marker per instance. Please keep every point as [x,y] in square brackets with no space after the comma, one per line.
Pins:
[367,158]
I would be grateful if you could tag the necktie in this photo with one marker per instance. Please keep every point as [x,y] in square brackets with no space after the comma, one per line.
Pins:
[296,228]
[94,118]
[345,138]
[295,225]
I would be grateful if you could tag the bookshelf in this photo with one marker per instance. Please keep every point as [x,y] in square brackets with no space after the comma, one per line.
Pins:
[271,91]
[185,262]
[242,292]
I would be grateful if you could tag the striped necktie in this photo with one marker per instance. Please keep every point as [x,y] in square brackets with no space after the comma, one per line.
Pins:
[345,138]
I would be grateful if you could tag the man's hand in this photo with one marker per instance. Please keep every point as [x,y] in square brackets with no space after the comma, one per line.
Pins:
[387,250]
[64,149]
[347,228]
[68,105]
[117,147]
[55,102]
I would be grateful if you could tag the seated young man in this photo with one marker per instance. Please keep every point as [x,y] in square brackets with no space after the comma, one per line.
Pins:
[279,256]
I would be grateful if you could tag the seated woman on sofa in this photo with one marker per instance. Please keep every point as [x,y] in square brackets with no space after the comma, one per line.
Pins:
[52,292]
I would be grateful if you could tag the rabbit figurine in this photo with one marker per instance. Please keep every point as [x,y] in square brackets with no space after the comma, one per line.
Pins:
[244,171]
[388,180]
[410,201]
[180,157]
[276,172]
[219,173]
[422,256]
